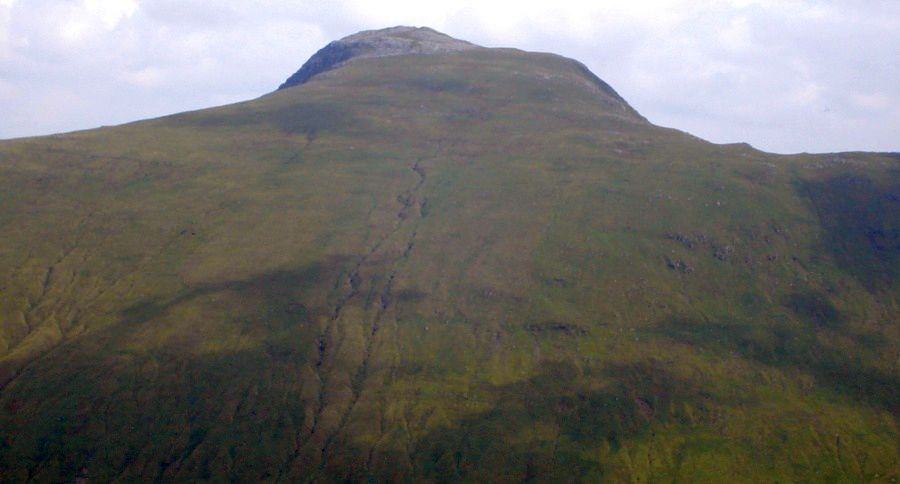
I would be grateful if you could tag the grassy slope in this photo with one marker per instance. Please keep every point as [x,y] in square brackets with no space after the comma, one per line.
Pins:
[444,267]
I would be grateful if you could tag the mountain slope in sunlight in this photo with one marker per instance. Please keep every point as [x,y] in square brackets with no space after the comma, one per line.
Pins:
[463,264]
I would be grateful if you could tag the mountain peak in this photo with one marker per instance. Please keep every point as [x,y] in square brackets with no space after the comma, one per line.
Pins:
[414,40]
[393,41]
[405,40]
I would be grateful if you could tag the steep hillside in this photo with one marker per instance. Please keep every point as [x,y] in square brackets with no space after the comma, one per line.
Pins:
[467,265]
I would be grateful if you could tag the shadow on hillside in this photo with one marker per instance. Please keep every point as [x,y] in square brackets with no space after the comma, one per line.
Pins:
[172,413]
[105,402]
[284,290]
[237,415]
[273,302]
[861,220]
[545,427]
[307,118]
[807,344]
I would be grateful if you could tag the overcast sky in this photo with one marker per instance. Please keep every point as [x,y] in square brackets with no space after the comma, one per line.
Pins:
[783,75]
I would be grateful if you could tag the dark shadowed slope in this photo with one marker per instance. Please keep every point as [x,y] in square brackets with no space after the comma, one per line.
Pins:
[475,265]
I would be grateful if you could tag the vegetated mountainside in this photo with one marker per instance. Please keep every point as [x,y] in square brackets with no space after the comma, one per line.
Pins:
[475,265]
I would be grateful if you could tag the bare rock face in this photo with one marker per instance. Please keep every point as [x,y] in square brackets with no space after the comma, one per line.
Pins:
[376,43]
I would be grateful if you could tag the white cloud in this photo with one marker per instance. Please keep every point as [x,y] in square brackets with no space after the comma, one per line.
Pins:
[736,34]
[110,12]
[806,94]
[872,102]
[8,92]
[145,77]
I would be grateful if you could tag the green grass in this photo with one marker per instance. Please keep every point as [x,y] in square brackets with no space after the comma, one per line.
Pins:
[471,267]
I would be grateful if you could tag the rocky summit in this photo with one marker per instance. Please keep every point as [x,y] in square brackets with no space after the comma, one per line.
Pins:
[377,43]
[422,260]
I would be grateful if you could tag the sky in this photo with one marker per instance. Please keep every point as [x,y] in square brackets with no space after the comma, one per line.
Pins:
[786,76]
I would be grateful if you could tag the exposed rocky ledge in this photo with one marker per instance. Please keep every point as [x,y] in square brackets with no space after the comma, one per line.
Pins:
[376,43]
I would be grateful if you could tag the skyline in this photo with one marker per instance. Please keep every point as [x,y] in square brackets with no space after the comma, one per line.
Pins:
[783,76]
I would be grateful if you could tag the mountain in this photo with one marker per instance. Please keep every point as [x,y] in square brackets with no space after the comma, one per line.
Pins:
[425,260]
